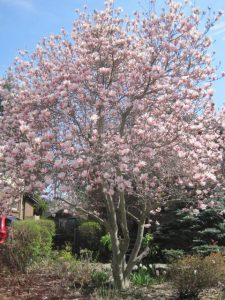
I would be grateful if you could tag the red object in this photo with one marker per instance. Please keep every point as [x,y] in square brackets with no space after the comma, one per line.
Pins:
[5,222]
[3,229]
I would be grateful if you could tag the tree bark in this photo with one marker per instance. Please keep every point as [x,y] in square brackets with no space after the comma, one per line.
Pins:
[120,242]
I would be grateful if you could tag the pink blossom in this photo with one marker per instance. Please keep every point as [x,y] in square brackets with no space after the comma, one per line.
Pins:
[201,205]
[211,204]
[141,164]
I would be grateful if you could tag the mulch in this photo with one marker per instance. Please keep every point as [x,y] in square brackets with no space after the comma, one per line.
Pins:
[42,286]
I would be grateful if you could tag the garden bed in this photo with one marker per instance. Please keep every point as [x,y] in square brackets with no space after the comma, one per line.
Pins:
[49,286]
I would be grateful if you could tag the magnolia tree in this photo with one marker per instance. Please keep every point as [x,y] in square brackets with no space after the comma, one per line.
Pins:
[114,118]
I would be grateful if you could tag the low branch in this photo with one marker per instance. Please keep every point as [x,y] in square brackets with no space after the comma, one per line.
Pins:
[142,255]
[86,212]
[133,217]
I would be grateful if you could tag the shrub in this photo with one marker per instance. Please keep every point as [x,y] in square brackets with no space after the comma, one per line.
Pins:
[50,225]
[147,240]
[76,273]
[105,249]
[41,205]
[66,253]
[99,278]
[205,250]
[28,241]
[192,274]
[90,233]
[106,242]
[172,255]
[86,255]
[200,231]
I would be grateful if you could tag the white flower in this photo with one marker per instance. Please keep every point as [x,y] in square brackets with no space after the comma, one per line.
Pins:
[147,225]
[135,267]
[94,117]
[195,212]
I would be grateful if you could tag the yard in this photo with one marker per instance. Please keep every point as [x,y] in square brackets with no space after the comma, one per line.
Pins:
[48,286]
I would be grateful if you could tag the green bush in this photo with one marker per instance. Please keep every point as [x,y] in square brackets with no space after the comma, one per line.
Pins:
[147,240]
[99,278]
[41,205]
[66,253]
[106,242]
[192,274]
[205,250]
[50,225]
[90,233]
[105,249]
[200,231]
[28,241]
[172,255]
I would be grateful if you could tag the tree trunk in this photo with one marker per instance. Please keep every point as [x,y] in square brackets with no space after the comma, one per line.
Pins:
[120,282]
[120,241]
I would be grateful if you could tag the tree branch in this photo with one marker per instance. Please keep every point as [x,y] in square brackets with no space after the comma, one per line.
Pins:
[86,212]
[133,217]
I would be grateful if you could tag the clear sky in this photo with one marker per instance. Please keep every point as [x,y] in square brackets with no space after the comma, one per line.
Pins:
[24,22]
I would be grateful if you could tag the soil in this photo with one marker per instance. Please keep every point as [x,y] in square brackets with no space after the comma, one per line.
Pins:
[37,286]
[40,286]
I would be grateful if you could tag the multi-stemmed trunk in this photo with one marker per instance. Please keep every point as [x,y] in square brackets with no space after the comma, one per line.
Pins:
[117,226]
[117,218]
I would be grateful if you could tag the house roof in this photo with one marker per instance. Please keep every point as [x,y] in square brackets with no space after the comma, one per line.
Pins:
[30,197]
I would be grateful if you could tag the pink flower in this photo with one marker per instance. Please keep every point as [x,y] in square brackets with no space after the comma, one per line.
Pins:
[61,175]
[211,204]
[201,205]
[141,164]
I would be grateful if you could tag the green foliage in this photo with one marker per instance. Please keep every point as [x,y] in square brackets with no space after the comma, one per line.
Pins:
[205,250]
[86,255]
[66,253]
[41,206]
[147,240]
[47,225]
[28,241]
[99,278]
[90,233]
[142,276]
[202,232]
[105,248]
[192,274]
[106,242]
[172,255]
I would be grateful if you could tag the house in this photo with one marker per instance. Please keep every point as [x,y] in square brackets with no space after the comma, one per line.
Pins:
[23,205]
[24,209]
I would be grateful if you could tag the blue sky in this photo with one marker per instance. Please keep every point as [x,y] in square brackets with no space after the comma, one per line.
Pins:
[24,22]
